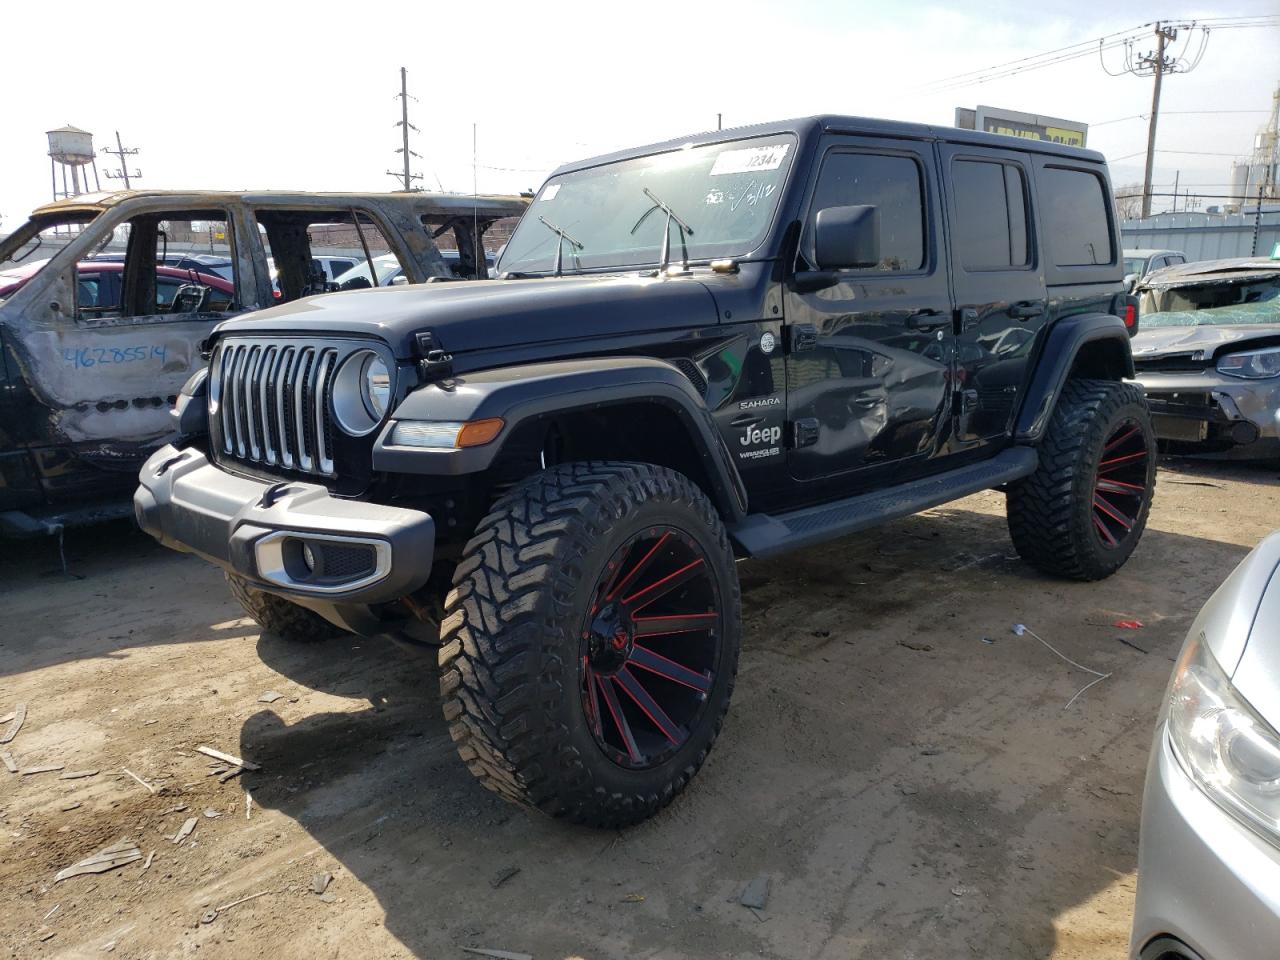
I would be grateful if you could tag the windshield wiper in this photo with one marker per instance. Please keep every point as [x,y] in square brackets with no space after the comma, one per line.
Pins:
[685,230]
[561,237]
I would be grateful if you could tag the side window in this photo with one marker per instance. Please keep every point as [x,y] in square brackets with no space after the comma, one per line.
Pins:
[455,238]
[88,291]
[1175,260]
[294,239]
[991,215]
[894,184]
[134,273]
[1073,208]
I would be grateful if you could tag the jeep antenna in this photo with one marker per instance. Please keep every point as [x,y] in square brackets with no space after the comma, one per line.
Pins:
[476,241]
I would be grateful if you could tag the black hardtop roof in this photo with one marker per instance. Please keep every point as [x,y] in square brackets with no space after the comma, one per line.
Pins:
[831,123]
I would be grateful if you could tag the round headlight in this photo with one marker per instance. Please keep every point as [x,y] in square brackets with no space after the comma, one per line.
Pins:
[361,392]
[376,386]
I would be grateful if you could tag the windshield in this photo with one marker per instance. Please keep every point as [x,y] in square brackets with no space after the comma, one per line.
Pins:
[1134,264]
[29,248]
[1229,289]
[721,198]
[1266,310]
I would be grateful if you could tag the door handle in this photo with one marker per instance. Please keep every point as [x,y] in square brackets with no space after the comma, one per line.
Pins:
[1026,309]
[927,319]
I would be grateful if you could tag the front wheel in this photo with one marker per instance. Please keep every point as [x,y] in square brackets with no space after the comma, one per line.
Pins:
[591,641]
[1082,513]
[279,616]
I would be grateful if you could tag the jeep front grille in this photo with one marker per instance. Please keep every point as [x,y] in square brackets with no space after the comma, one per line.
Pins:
[271,403]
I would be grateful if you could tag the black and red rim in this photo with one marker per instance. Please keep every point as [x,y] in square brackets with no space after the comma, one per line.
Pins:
[1120,484]
[650,647]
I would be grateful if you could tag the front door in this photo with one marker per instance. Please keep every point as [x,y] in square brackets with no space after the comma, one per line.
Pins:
[999,286]
[869,358]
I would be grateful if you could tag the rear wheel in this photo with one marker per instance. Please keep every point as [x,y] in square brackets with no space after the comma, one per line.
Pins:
[591,641]
[277,615]
[1082,513]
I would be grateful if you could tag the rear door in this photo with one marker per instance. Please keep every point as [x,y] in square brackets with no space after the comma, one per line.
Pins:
[999,286]
[868,359]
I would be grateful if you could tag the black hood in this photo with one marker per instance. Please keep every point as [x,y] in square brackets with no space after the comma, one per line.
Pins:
[486,314]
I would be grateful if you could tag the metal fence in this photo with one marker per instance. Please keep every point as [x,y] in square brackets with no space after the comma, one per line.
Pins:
[1207,236]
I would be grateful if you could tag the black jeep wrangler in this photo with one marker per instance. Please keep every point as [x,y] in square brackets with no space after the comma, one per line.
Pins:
[727,346]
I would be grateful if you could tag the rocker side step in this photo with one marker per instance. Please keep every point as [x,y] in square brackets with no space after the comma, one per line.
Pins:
[763,535]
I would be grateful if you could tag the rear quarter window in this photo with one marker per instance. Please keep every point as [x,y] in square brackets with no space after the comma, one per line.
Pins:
[990,232]
[1074,217]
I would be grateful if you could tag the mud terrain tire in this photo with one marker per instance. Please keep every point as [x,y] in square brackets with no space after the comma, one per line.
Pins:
[520,643]
[1082,513]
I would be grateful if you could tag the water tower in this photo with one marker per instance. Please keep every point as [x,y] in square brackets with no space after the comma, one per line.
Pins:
[71,149]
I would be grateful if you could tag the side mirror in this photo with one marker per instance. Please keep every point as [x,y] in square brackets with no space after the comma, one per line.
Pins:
[847,237]
[400,281]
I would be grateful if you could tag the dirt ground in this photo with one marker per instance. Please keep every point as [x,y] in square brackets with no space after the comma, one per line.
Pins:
[909,789]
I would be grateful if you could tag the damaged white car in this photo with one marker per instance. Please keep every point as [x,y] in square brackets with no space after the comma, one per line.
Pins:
[1208,356]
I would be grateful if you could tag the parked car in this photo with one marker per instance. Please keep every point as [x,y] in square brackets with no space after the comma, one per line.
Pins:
[387,271]
[1140,262]
[729,345]
[1209,847]
[98,288]
[332,267]
[203,262]
[1208,356]
[87,376]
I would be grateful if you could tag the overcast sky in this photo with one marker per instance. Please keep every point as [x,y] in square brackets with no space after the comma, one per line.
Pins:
[281,95]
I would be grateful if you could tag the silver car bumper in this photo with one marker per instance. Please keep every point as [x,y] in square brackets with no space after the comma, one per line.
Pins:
[1203,878]
[291,538]
[1219,414]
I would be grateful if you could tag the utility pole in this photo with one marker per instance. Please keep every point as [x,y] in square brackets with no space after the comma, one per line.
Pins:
[1158,65]
[405,126]
[120,152]
[1176,177]
[719,120]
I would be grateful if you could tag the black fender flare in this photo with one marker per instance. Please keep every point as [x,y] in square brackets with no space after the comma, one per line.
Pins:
[519,393]
[1063,343]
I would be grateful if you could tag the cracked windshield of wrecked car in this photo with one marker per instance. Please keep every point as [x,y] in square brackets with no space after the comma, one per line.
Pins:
[714,201]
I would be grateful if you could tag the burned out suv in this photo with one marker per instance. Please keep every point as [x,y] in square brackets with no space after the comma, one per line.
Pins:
[726,346]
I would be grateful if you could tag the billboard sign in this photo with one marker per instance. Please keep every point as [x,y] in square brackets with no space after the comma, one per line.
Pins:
[1014,123]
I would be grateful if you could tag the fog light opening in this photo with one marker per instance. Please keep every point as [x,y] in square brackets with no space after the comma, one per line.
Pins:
[1244,432]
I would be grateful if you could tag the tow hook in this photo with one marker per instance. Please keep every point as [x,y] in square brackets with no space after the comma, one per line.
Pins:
[172,461]
[273,493]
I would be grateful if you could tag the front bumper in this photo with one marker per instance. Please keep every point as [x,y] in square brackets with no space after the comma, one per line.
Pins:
[357,553]
[1203,877]
[1206,412]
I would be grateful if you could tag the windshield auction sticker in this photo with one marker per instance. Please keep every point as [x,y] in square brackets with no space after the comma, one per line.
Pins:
[750,159]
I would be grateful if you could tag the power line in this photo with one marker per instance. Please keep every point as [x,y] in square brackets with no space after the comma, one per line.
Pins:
[1143,116]
[1109,41]
[1037,56]
[1198,153]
